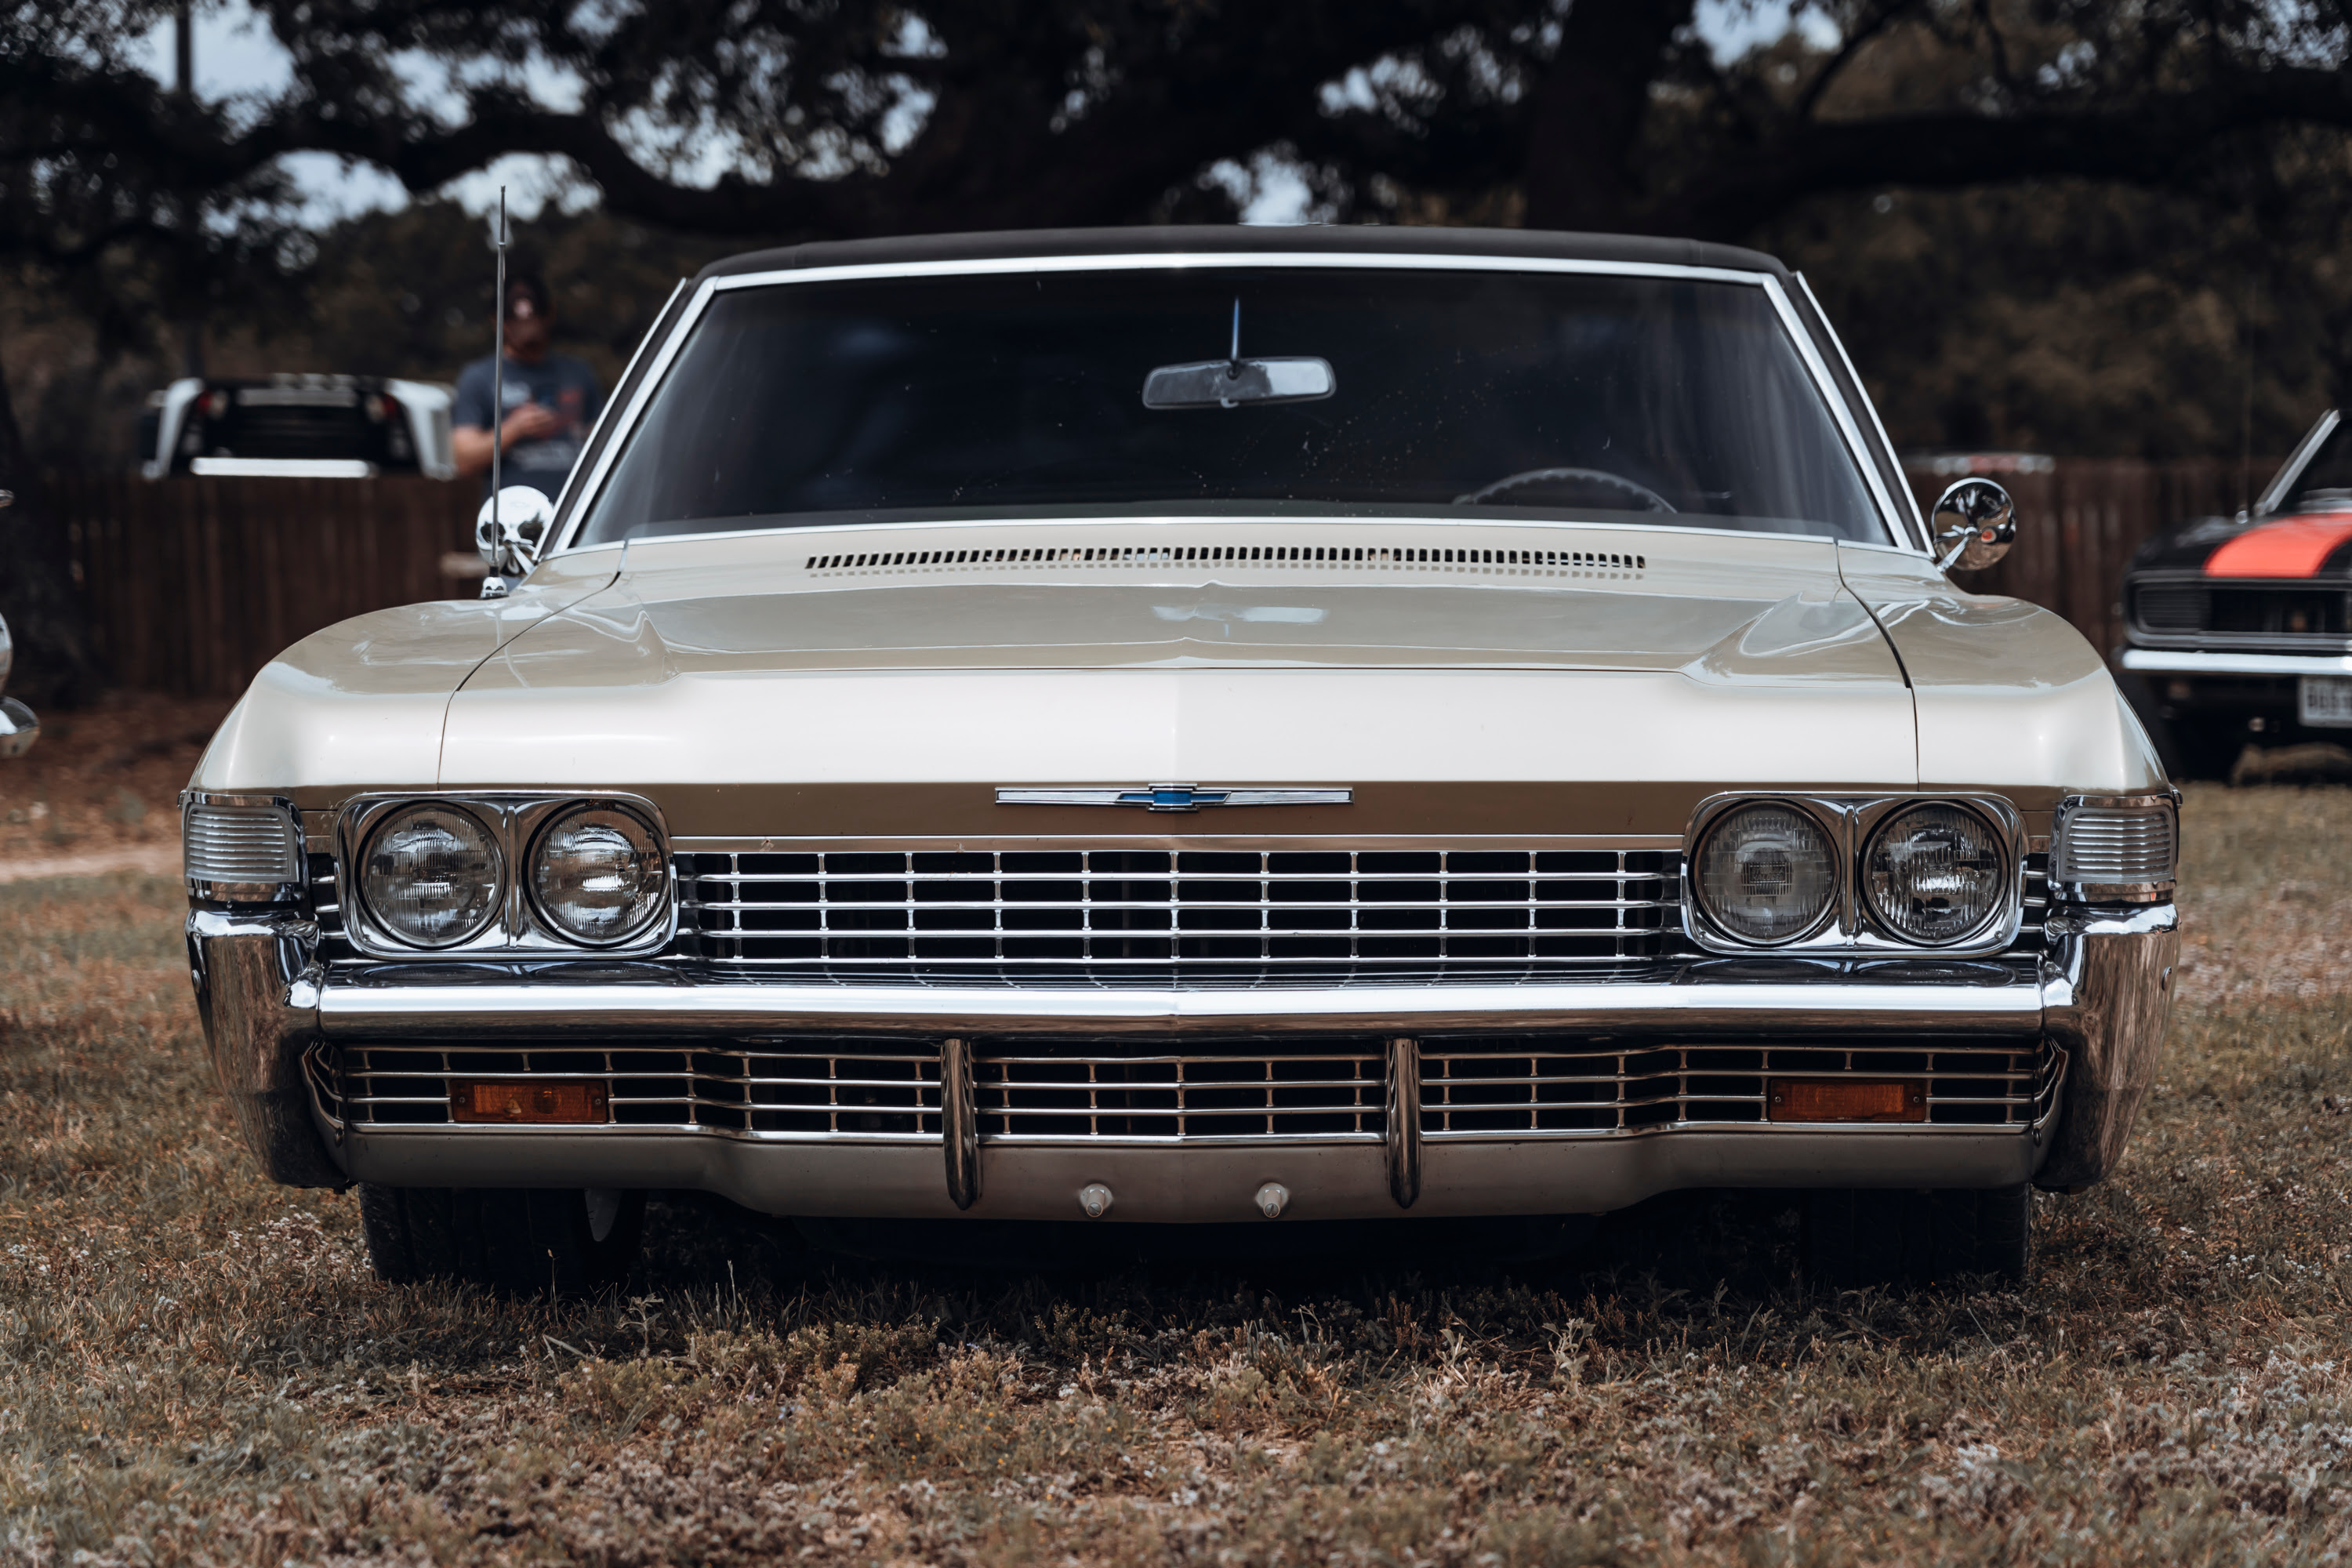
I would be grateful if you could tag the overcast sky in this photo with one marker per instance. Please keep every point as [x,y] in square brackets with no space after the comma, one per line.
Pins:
[237,56]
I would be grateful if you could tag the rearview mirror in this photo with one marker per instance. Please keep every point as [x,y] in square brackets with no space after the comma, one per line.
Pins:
[510,531]
[1230,383]
[1975,523]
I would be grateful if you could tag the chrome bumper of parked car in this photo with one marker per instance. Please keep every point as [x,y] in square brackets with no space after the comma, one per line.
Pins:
[2187,661]
[2097,1007]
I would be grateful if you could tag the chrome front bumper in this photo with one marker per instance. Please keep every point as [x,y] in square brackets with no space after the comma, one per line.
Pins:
[2100,996]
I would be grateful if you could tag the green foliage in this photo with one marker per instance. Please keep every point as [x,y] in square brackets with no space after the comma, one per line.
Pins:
[2084,229]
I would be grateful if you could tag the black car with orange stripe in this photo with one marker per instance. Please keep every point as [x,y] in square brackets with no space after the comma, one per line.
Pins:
[2240,629]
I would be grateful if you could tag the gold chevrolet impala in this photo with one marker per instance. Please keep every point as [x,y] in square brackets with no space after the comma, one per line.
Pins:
[1162,727]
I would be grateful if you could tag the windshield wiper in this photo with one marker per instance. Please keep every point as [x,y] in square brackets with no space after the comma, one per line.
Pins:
[1232,381]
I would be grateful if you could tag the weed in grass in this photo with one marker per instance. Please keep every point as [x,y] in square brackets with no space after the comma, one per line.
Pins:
[196,1367]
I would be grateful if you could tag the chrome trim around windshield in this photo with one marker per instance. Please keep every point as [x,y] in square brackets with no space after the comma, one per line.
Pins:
[2164,661]
[579,496]
[604,415]
[1894,458]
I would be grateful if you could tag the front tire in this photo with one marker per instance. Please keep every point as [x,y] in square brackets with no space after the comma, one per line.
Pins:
[517,1241]
[1856,1238]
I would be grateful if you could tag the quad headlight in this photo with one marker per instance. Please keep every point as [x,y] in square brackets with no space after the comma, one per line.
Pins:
[598,876]
[1935,875]
[502,871]
[1766,873]
[1837,872]
[432,874]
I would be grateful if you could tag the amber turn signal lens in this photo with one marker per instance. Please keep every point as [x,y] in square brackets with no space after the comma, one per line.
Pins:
[519,1103]
[1847,1100]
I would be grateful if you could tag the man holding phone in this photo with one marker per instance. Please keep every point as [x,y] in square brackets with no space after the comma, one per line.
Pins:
[551,400]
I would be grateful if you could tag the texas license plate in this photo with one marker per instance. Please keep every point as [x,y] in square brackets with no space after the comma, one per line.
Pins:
[2327,701]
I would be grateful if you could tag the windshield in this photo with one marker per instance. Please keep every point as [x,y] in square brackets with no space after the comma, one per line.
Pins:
[1460,393]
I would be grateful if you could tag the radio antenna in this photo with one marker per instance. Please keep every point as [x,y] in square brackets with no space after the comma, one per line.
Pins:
[499,363]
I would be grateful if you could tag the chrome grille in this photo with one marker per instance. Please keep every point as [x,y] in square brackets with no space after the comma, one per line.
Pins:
[1472,1087]
[2036,902]
[1102,913]
[326,908]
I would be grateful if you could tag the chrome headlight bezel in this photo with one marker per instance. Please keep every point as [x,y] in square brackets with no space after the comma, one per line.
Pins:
[528,873]
[1853,818]
[1831,848]
[388,822]
[515,819]
[2004,897]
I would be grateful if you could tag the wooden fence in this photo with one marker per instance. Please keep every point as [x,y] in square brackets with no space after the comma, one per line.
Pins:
[194,584]
[2079,521]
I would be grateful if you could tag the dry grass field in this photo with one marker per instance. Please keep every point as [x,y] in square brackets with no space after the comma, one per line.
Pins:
[196,1367]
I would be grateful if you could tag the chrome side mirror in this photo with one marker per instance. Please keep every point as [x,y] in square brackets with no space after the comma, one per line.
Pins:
[19,728]
[1975,523]
[510,531]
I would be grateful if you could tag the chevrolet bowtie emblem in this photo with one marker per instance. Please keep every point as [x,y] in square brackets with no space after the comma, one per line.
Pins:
[1174,796]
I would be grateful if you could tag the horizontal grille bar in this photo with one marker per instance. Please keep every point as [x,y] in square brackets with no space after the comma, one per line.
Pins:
[1305,1091]
[1107,911]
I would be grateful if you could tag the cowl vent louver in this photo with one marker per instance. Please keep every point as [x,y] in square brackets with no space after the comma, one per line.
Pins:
[1310,557]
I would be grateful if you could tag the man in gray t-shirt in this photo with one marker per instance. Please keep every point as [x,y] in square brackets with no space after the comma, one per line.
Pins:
[550,401]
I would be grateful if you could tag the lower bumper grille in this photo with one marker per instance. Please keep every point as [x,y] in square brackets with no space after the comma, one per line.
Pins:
[1313,1089]
[1514,1085]
[862,1088]
[1531,1086]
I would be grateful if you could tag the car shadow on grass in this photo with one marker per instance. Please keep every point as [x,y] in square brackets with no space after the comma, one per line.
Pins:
[1702,1242]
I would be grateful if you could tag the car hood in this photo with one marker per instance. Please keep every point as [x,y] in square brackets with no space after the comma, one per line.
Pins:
[888,679]
[1718,606]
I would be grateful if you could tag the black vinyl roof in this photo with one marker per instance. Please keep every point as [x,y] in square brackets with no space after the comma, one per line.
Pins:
[1534,245]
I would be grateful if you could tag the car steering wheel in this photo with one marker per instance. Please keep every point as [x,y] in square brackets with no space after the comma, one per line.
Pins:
[1651,500]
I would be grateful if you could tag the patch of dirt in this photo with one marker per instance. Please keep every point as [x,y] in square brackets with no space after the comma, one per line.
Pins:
[104,781]
[154,859]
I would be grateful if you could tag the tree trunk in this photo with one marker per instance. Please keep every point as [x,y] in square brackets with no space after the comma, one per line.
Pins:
[1588,109]
[57,663]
